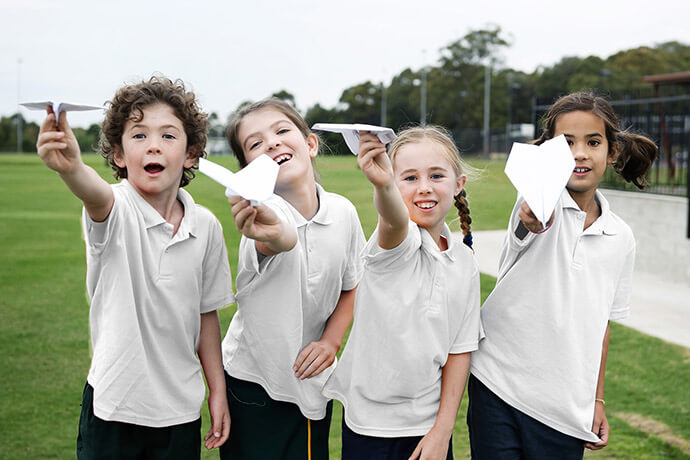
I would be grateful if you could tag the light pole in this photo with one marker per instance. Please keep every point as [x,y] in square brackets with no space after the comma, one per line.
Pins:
[19,115]
[487,106]
[384,109]
[422,108]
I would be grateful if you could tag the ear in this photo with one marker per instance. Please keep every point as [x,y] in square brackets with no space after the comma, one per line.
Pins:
[460,184]
[119,157]
[611,157]
[313,145]
[192,156]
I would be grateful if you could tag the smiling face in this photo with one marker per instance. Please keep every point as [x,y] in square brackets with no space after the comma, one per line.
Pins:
[154,151]
[427,182]
[271,132]
[586,135]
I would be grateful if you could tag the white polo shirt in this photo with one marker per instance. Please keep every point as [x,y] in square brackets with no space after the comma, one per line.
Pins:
[546,318]
[284,301]
[148,290]
[414,306]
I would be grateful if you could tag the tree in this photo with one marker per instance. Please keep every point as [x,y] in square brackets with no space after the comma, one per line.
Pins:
[285,96]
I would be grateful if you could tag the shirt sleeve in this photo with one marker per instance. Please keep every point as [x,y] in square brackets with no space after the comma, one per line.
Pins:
[620,308]
[470,331]
[384,260]
[217,282]
[353,270]
[97,234]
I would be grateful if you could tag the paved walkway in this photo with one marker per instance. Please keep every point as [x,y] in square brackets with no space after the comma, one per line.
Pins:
[657,308]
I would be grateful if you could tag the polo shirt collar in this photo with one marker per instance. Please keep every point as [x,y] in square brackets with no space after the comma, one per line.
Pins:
[604,224]
[431,247]
[322,215]
[152,218]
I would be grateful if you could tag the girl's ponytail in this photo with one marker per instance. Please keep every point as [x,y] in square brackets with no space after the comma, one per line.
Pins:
[464,214]
[636,154]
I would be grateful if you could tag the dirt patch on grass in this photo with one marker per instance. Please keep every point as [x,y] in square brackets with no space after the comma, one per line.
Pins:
[654,428]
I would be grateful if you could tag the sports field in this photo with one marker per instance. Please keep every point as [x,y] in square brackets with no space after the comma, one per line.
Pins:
[44,336]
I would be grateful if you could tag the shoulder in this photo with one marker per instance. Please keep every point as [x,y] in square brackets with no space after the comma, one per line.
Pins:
[618,226]
[333,200]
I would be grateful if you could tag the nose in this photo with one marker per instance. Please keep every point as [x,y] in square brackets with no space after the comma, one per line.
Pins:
[272,143]
[579,150]
[424,186]
[153,148]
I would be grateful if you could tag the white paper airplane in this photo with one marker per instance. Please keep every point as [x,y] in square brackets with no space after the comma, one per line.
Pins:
[540,173]
[255,182]
[351,133]
[59,107]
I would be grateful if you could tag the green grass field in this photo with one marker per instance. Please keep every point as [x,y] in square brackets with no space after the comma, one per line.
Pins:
[44,336]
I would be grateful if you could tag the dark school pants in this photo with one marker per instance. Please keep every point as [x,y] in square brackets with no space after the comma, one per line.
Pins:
[262,428]
[360,447]
[498,431]
[106,440]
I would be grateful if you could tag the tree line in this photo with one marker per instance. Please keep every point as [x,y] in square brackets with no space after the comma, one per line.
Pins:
[454,94]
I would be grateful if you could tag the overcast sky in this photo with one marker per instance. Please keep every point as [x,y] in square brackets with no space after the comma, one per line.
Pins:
[228,52]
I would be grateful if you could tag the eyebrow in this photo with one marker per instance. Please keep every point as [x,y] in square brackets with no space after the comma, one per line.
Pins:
[586,135]
[256,133]
[145,126]
[433,169]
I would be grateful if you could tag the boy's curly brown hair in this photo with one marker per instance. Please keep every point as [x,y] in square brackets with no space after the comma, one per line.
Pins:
[128,103]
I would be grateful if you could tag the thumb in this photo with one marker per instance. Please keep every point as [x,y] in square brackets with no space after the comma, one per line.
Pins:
[217,426]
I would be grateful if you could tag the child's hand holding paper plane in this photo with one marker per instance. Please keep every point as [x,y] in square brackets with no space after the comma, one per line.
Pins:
[255,182]
[351,133]
[59,107]
[540,173]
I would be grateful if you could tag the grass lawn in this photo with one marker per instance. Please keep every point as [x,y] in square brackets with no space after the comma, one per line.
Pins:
[44,334]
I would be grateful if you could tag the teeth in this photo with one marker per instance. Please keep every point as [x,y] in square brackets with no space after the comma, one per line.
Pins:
[581,170]
[282,158]
[426,205]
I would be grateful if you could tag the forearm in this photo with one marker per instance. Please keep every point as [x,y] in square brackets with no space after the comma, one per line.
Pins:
[91,189]
[340,319]
[210,353]
[602,366]
[393,215]
[453,380]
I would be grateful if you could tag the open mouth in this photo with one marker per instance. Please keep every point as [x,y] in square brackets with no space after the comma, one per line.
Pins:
[154,168]
[581,171]
[282,158]
[425,204]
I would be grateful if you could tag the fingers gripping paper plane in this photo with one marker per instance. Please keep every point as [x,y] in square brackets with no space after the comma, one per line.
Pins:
[540,173]
[59,107]
[351,133]
[255,182]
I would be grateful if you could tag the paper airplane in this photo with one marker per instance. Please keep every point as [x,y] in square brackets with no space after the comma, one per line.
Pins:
[59,107]
[255,182]
[351,133]
[540,173]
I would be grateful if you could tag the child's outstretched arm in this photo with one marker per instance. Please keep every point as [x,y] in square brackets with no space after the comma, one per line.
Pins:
[59,150]
[600,424]
[260,223]
[376,166]
[434,445]
[317,356]
[210,355]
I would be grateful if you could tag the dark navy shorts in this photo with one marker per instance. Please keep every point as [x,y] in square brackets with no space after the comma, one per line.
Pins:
[106,440]
[361,447]
[498,431]
[263,428]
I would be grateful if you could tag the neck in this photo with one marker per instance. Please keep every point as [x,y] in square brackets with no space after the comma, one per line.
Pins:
[302,196]
[435,233]
[167,205]
[586,202]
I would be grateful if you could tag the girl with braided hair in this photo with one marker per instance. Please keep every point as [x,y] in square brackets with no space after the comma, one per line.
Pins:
[403,371]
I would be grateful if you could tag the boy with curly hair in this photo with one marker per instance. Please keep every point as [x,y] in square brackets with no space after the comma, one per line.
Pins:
[157,271]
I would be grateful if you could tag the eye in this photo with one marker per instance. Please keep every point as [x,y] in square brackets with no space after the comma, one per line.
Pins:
[283,130]
[168,136]
[138,136]
[570,143]
[409,178]
[437,176]
[254,145]
[594,143]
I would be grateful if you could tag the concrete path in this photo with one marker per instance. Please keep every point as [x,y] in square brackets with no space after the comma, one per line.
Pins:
[657,307]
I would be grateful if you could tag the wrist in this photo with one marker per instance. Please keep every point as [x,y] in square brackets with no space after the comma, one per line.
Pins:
[542,230]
